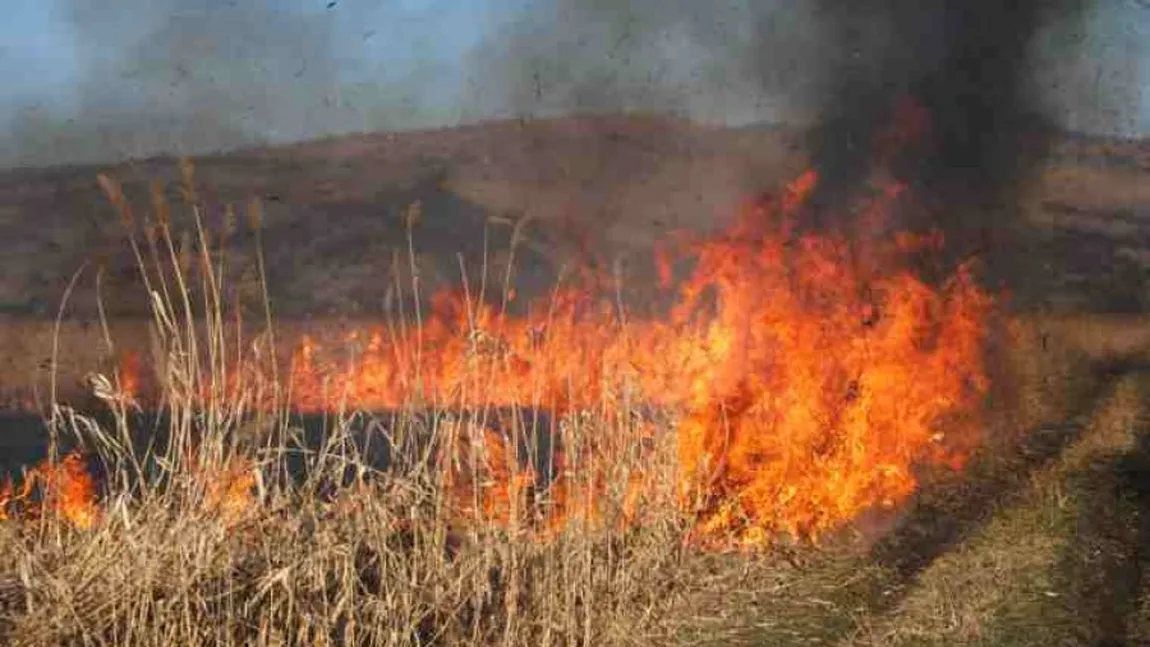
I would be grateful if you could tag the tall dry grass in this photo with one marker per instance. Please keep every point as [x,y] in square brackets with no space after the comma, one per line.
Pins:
[224,519]
[220,524]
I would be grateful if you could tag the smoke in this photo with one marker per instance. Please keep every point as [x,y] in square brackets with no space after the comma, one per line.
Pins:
[1093,71]
[967,63]
[192,76]
[198,75]
[207,74]
[846,67]
[742,61]
[697,60]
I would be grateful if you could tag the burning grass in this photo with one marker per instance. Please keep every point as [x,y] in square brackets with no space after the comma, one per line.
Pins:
[553,477]
[807,377]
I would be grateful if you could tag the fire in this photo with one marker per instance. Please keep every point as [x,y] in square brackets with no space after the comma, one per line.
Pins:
[230,494]
[129,374]
[485,482]
[66,488]
[228,487]
[809,378]
[481,473]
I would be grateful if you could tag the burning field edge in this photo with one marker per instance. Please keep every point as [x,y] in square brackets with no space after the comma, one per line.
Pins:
[791,454]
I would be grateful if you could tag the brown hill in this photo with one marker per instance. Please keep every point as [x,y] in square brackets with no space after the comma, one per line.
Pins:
[331,206]
[335,238]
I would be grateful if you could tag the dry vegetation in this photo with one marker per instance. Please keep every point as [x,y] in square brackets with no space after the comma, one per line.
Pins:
[233,529]
[228,530]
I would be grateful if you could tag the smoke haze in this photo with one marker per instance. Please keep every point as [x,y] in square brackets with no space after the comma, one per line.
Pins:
[198,75]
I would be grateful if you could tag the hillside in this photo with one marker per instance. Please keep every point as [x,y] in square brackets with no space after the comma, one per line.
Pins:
[592,190]
[1038,541]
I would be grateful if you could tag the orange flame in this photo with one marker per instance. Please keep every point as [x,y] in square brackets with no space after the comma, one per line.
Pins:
[808,376]
[483,477]
[129,374]
[809,379]
[66,488]
[229,490]
[69,491]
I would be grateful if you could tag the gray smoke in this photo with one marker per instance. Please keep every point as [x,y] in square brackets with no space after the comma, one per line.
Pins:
[843,65]
[191,76]
[774,60]
[196,75]
[727,62]
[996,79]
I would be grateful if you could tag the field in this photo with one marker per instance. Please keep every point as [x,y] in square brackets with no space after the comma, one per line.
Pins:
[245,522]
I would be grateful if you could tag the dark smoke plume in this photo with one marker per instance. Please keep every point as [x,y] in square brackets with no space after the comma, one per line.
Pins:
[968,65]
[844,65]
[851,68]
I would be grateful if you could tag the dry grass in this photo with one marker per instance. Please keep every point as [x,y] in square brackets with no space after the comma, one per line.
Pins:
[998,543]
[325,547]
[1019,580]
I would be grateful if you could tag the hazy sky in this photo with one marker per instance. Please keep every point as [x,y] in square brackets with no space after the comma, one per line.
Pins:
[83,82]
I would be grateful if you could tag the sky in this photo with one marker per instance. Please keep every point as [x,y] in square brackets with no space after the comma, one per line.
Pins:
[83,82]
